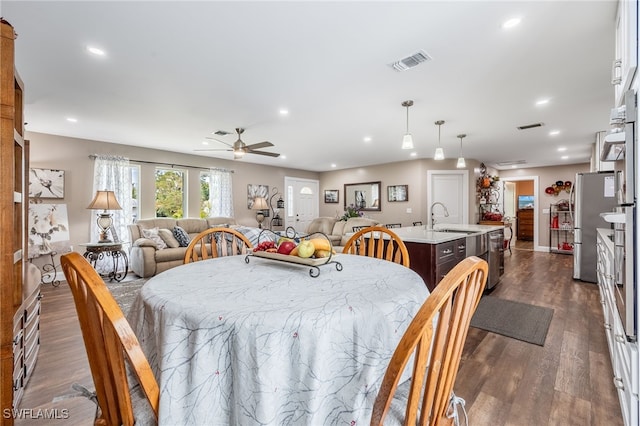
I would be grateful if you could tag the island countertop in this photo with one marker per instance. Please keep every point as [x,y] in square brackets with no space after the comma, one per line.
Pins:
[442,233]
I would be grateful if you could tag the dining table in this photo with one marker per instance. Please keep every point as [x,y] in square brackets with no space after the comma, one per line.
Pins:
[245,340]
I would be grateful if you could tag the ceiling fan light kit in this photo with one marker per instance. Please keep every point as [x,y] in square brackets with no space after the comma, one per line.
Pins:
[239,148]
[439,155]
[407,140]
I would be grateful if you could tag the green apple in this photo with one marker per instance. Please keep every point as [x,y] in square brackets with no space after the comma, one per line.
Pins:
[306,248]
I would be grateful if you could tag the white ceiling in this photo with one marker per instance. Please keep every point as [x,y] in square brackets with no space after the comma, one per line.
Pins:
[175,72]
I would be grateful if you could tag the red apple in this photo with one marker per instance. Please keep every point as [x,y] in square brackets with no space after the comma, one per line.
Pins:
[285,247]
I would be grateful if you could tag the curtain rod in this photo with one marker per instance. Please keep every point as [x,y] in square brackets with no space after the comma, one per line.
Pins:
[93,157]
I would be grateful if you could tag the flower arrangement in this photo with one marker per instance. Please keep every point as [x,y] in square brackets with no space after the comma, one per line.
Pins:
[352,211]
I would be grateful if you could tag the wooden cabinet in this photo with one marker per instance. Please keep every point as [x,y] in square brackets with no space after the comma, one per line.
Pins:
[13,204]
[433,261]
[524,224]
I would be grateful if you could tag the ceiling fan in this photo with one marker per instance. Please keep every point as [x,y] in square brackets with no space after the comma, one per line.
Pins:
[239,148]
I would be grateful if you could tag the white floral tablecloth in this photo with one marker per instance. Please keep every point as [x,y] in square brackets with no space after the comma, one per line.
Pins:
[264,343]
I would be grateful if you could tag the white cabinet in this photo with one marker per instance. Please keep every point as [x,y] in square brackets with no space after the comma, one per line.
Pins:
[624,354]
[625,61]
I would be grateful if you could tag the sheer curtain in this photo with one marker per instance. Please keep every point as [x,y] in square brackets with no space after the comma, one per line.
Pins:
[220,192]
[112,173]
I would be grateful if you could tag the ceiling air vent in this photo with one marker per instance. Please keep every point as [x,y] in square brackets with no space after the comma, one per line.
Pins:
[511,163]
[530,126]
[221,133]
[411,61]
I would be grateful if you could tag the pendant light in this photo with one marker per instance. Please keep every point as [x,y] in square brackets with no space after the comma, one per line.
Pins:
[461,163]
[439,155]
[407,140]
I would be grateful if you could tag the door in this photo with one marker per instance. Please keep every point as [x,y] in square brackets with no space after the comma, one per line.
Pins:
[301,202]
[451,188]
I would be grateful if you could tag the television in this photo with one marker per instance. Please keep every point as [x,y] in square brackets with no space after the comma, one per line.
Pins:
[525,201]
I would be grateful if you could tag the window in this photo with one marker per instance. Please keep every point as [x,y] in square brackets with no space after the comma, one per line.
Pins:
[170,193]
[205,203]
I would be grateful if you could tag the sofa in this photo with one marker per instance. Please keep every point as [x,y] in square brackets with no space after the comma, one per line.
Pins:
[336,230]
[146,259]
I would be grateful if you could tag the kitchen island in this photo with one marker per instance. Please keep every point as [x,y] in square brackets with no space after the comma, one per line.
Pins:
[434,252]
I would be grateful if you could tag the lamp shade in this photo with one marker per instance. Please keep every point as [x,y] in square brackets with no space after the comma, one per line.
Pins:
[461,163]
[104,200]
[407,141]
[439,155]
[259,203]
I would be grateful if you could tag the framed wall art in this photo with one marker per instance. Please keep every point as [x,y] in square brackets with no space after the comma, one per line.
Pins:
[331,196]
[48,229]
[398,193]
[46,183]
[254,191]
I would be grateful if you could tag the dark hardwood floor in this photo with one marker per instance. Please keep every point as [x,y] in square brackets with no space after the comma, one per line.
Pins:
[504,381]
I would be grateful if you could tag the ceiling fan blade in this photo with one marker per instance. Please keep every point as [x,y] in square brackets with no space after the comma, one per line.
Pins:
[269,154]
[218,140]
[259,145]
[213,149]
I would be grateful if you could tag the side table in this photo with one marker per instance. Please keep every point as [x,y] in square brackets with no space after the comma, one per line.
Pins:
[97,251]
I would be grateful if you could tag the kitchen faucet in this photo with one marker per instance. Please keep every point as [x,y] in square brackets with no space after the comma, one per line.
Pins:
[446,212]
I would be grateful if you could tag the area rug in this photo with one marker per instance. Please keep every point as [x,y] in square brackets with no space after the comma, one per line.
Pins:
[125,292]
[521,321]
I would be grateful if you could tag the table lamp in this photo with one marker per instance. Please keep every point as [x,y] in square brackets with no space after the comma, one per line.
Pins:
[260,204]
[104,200]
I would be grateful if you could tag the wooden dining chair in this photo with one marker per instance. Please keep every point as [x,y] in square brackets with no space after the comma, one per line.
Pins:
[216,242]
[370,242]
[436,352]
[108,340]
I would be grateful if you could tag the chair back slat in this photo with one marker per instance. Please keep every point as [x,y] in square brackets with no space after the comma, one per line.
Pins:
[436,350]
[215,242]
[371,242]
[109,342]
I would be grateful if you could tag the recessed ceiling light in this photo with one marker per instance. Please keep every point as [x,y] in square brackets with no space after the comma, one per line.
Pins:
[284,112]
[564,157]
[205,143]
[367,139]
[562,149]
[72,120]
[514,166]
[554,132]
[96,51]
[413,154]
[284,157]
[510,23]
[542,102]
[334,165]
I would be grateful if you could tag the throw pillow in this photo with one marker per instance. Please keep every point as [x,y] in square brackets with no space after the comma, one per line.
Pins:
[182,236]
[168,238]
[153,235]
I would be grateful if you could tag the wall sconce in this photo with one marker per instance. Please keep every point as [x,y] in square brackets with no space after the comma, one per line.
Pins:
[260,204]
[104,200]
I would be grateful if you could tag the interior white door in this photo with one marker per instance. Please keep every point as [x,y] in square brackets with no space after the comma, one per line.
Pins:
[451,188]
[301,203]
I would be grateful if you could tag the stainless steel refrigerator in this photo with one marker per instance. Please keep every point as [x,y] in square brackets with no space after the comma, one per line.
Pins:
[594,193]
